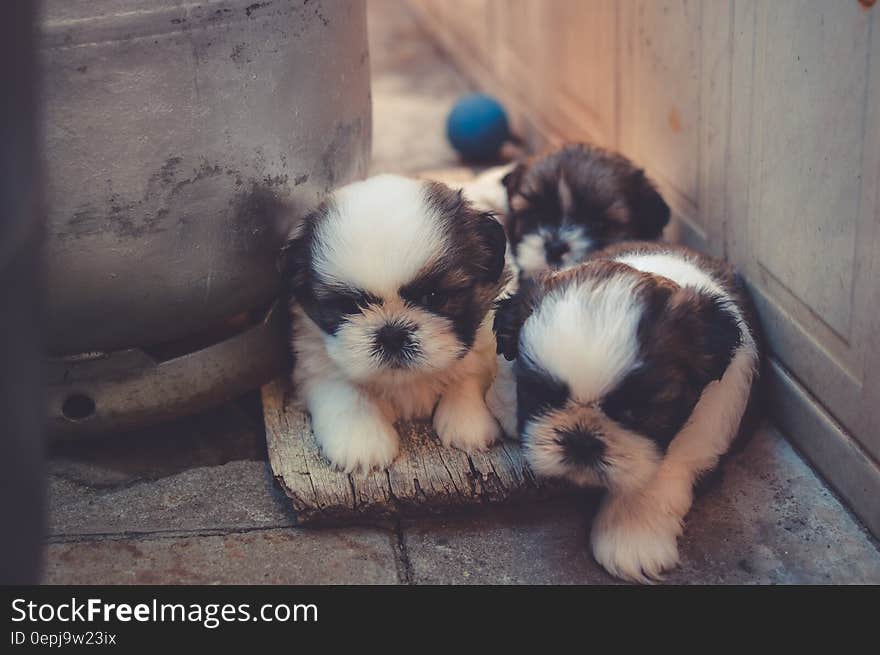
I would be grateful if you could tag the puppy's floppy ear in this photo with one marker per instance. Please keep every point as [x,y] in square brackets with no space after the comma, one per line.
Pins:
[650,213]
[489,233]
[492,237]
[293,260]
[510,314]
[706,332]
[513,179]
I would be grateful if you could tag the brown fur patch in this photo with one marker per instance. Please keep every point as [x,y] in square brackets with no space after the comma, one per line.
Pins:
[726,277]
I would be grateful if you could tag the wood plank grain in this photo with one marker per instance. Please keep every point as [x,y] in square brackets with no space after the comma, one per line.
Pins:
[426,478]
[315,488]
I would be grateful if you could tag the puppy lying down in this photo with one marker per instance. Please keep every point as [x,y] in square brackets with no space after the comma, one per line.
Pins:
[560,207]
[632,372]
[392,281]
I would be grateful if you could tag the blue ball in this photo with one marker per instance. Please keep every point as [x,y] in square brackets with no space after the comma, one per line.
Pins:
[477,127]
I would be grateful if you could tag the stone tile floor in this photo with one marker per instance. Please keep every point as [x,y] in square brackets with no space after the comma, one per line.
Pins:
[195,502]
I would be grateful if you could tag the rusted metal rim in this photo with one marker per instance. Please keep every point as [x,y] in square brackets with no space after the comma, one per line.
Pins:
[97,393]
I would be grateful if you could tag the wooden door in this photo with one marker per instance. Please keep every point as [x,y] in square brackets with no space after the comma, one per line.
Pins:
[802,222]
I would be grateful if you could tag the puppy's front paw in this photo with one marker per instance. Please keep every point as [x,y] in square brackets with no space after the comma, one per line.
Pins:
[358,442]
[635,541]
[464,422]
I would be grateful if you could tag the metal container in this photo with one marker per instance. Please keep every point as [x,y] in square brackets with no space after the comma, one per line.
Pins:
[179,141]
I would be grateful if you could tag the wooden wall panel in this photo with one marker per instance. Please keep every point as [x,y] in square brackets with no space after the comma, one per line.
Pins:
[808,173]
[661,102]
[566,76]
[560,84]
[469,24]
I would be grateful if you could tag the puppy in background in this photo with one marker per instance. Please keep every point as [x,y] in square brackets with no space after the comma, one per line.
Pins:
[392,281]
[561,207]
[633,372]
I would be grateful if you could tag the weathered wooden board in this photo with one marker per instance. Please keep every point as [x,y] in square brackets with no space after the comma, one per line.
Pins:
[425,478]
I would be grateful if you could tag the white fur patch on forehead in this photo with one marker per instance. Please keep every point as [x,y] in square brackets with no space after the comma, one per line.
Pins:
[585,335]
[378,234]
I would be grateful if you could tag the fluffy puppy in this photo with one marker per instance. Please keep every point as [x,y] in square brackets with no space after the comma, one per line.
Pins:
[632,373]
[574,201]
[392,281]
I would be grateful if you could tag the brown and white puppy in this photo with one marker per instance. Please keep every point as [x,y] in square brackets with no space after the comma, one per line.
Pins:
[632,373]
[392,281]
[564,206]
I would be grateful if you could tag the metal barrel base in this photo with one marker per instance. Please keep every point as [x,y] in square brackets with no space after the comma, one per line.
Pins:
[99,393]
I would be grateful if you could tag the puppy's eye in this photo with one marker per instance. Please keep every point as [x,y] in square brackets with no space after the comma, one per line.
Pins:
[620,412]
[348,305]
[434,299]
[626,405]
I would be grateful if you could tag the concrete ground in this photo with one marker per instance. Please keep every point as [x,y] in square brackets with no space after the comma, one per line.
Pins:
[195,502]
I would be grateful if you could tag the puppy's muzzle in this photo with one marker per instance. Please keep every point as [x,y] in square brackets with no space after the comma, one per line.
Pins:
[394,343]
[554,250]
[580,446]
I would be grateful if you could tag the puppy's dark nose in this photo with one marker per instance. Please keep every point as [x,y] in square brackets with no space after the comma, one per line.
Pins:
[580,446]
[392,339]
[555,250]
